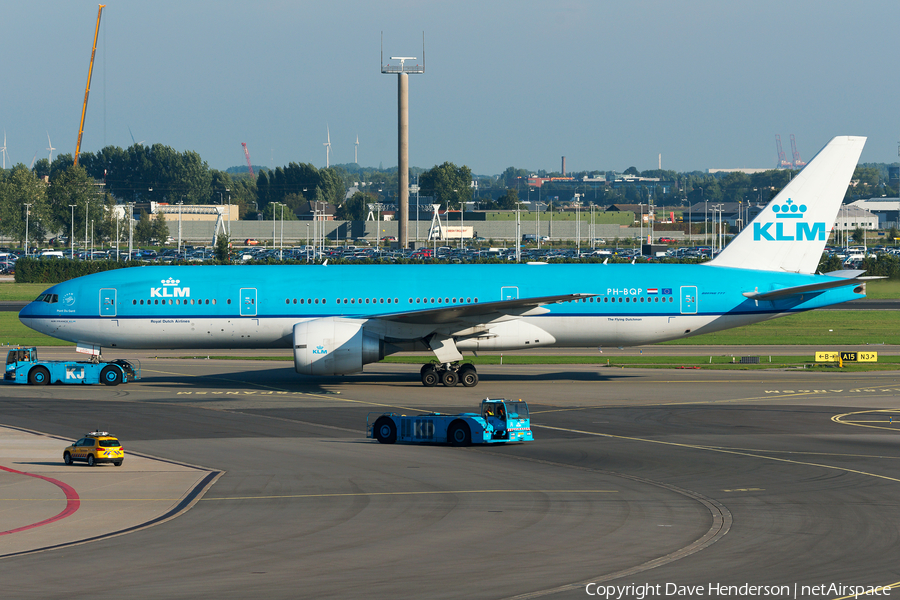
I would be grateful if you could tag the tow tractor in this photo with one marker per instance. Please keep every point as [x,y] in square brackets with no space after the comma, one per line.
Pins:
[499,421]
[23,366]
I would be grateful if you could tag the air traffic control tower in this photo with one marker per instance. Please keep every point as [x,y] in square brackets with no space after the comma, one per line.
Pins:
[403,71]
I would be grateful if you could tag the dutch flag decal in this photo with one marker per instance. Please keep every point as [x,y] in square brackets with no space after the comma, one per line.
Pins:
[652,291]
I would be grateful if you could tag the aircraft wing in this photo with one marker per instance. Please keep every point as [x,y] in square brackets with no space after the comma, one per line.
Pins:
[840,279]
[451,314]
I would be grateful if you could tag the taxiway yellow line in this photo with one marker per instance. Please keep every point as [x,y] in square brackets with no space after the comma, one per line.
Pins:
[884,425]
[725,451]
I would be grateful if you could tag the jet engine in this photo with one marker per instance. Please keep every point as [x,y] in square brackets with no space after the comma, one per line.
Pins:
[334,346]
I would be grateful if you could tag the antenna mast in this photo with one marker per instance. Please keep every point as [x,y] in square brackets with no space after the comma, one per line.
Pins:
[87,89]
[402,71]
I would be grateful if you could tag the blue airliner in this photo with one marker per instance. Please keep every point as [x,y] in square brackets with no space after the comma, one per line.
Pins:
[338,318]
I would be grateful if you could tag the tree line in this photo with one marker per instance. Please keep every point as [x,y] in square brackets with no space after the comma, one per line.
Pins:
[59,195]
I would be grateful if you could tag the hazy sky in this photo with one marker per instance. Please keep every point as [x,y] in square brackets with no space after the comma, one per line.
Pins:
[608,84]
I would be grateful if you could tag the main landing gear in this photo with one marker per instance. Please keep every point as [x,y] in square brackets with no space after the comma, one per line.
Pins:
[449,374]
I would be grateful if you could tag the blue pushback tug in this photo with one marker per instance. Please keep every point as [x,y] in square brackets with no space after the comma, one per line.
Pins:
[23,366]
[499,421]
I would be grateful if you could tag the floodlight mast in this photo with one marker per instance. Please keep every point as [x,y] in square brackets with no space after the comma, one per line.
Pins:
[402,72]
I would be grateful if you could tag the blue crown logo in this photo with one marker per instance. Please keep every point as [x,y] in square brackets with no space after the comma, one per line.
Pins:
[789,210]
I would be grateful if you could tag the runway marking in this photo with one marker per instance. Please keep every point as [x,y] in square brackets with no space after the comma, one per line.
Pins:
[423,493]
[746,490]
[888,425]
[690,402]
[73,502]
[724,451]
[274,391]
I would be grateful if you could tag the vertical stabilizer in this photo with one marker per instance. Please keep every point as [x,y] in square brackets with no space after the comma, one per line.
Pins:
[790,234]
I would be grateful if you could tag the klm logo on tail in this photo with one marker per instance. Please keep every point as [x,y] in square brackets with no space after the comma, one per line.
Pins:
[789,225]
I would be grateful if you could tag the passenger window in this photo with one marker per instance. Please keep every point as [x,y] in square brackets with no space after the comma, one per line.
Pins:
[214,300]
[317,300]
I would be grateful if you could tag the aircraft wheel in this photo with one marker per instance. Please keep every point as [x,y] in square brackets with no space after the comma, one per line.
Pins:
[430,377]
[110,375]
[449,378]
[459,434]
[468,376]
[39,376]
[385,430]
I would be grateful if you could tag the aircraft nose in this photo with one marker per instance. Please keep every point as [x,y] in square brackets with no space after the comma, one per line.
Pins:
[29,310]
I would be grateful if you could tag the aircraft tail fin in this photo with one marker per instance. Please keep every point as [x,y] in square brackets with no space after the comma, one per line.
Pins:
[790,234]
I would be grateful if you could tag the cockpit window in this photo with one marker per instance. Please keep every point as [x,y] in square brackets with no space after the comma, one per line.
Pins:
[40,298]
[49,298]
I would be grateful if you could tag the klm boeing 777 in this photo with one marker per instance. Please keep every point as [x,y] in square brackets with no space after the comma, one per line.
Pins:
[338,318]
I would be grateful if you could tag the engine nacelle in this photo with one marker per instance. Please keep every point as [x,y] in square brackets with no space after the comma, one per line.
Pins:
[334,346]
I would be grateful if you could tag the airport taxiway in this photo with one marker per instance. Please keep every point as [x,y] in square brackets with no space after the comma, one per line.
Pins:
[636,476]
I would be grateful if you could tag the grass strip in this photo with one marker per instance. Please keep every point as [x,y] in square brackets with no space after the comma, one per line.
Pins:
[14,333]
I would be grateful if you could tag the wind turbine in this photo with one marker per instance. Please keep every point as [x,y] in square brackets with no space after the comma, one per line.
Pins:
[356,150]
[327,147]
[50,147]
[132,137]
[3,151]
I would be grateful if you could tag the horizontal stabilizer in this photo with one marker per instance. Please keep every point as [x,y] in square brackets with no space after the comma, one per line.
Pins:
[812,287]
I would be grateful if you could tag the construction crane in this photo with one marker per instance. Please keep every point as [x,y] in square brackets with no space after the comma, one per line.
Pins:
[783,162]
[798,162]
[87,89]
[247,155]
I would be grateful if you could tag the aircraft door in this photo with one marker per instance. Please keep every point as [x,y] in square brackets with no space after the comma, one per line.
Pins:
[107,302]
[509,293]
[689,299]
[248,302]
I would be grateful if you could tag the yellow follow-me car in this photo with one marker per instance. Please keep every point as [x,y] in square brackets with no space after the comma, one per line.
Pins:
[95,447]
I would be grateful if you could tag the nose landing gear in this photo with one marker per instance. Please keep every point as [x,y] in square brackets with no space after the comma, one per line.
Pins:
[449,374]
